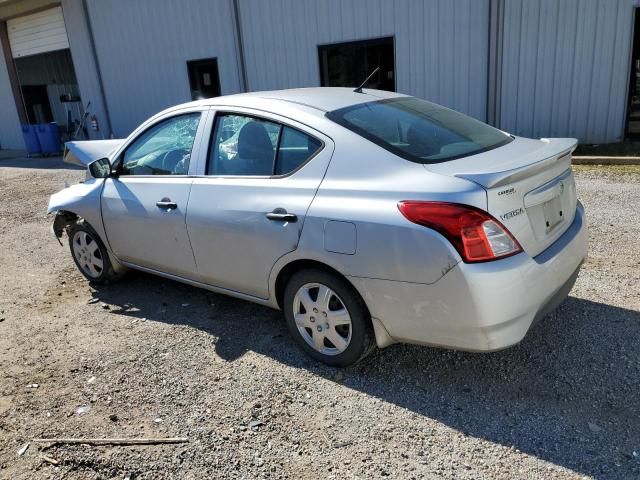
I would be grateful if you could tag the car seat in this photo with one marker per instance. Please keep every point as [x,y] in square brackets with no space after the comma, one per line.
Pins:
[255,150]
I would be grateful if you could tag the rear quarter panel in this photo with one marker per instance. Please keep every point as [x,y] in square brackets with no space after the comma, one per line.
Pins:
[363,186]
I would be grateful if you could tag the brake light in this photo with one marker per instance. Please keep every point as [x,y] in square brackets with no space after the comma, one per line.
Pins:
[476,235]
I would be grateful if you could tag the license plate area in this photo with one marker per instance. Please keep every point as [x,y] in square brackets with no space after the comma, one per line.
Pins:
[552,213]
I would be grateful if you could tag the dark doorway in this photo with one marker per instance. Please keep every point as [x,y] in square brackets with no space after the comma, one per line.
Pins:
[633,113]
[36,103]
[203,78]
[50,90]
[348,64]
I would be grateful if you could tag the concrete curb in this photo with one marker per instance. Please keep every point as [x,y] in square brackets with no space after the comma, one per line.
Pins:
[12,154]
[600,160]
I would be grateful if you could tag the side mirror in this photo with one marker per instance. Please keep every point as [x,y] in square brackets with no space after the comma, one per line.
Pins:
[100,168]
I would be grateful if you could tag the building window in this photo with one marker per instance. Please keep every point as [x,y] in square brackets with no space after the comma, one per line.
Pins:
[348,64]
[203,78]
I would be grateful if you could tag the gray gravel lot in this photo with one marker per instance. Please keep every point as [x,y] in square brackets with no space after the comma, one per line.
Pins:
[150,357]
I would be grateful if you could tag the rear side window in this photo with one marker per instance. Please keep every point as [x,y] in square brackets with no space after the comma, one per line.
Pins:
[295,149]
[418,130]
[249,146]
[243,146]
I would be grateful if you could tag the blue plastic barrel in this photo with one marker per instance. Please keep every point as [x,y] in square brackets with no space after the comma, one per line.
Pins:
[49,137]
[31,139]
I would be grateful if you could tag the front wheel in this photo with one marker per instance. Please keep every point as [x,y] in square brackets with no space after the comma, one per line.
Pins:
[327,318]
[90,255]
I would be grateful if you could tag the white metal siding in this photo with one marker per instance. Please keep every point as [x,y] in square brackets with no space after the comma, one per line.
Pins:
[84,64]
[37,33]
[143,48]
[441,46]
[565,69]
[10,133]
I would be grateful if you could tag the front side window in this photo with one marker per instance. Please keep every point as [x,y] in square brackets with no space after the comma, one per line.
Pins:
[164,149]
[248,146]
[418,130]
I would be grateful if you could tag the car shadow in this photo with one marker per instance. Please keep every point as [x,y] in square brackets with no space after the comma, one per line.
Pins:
[565,394]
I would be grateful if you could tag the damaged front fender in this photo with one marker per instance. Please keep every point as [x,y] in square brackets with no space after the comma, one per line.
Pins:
[78,201]
[82,196]
[81,202]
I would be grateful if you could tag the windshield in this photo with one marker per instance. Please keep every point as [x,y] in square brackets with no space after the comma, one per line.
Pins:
[418,130]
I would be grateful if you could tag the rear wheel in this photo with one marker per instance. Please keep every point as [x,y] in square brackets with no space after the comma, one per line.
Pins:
[90,255]
[327,318]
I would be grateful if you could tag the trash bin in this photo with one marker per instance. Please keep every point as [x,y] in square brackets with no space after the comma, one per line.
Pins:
[31,139]
[49,137]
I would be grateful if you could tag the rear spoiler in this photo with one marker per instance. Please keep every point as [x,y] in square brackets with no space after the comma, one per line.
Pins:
[497,179]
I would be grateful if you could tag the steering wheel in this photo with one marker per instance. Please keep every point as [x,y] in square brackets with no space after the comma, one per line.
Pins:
[171,160]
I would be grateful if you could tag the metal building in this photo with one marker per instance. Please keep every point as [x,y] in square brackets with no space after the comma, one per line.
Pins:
[532,67]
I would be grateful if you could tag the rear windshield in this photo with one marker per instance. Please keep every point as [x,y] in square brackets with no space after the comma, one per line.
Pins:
[418,130]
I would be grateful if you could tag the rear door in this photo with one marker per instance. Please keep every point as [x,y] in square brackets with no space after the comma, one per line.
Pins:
[530,187]
[249,208]
[144,206]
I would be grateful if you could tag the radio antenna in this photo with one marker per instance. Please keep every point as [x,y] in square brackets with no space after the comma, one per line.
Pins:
[359,89]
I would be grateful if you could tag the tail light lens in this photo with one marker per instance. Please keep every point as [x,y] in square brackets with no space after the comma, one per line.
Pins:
[476,235]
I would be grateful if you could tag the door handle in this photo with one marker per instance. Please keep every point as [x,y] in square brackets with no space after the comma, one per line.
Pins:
[281,215]
[167,203]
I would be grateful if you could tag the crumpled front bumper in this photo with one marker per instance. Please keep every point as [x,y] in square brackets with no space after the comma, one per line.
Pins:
[60,221]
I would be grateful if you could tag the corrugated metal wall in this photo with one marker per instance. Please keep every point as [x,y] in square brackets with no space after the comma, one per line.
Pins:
[565,69]
[441,47]
[10,133]
[143,48]
[85,65]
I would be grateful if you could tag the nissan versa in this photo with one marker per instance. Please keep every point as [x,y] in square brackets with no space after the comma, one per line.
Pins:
[368,217]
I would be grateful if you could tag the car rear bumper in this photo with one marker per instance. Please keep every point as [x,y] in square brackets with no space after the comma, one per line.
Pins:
[479,307]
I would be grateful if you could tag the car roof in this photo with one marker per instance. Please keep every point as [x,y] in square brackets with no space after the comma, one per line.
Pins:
[321,99]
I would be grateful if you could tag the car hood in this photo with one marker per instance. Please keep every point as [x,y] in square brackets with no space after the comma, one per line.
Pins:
[84,152]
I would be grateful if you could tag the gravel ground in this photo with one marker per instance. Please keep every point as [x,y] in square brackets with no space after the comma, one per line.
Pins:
[150,357]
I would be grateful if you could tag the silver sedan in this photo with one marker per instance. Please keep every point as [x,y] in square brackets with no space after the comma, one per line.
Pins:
[367,217]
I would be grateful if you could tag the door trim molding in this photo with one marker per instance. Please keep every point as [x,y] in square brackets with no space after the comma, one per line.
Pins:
[225,291]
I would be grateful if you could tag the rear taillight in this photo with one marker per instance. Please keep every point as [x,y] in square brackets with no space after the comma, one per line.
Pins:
[476,235]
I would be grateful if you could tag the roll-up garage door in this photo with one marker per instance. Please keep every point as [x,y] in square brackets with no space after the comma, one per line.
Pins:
[37,33]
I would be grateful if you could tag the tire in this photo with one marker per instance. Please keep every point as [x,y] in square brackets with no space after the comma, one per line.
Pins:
[90,255]
[321,328]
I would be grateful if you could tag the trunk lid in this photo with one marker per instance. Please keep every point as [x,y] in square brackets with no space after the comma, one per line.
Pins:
[530,187]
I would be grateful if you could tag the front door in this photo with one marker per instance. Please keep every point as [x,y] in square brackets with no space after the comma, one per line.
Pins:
[249,208]
[144,206]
